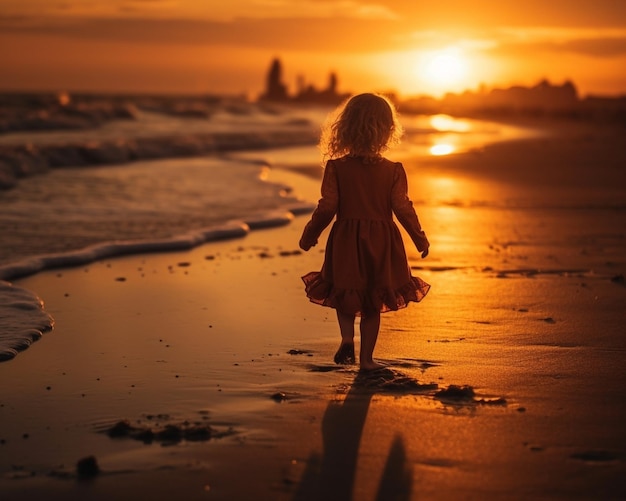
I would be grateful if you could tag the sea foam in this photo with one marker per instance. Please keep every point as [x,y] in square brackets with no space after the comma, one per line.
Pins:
[22,320]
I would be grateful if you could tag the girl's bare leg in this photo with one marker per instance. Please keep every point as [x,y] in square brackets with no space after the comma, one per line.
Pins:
[345,353]
[346,326]
[370,325]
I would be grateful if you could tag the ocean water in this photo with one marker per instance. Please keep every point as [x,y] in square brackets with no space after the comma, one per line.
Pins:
[199,177]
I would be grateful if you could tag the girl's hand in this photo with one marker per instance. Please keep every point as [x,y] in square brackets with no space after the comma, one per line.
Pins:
[425,253]
[305,246]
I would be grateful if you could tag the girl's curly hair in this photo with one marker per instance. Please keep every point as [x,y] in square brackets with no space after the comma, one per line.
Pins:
[365,125]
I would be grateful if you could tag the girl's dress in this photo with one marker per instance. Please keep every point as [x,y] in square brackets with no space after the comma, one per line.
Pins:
[365,266]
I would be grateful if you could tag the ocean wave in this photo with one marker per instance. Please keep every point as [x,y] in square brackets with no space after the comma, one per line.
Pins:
[38,112]
[23,319]
[71,209]
[28,160]
[39,133]
[45,112]
[185,241]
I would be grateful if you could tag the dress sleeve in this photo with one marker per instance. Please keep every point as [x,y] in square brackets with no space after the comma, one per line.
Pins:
[404,211]
[326,208]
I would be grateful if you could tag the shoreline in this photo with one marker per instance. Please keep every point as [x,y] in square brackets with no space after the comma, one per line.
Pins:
[97,252]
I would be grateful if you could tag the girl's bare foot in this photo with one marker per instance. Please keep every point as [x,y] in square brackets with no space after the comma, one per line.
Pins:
[371,366]
[345,354]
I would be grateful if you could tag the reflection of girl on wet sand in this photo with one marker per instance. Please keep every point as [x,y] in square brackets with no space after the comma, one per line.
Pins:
[365,270]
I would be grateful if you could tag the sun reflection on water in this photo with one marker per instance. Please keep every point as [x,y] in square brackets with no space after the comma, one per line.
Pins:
[447,143]
[439,149]
[448,123]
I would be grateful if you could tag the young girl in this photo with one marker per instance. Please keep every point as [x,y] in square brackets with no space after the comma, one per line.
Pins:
[365,270]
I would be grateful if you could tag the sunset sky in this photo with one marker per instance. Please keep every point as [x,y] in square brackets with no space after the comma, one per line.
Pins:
[226,46]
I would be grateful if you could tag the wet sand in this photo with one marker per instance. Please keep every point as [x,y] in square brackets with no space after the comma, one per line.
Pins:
[506,382]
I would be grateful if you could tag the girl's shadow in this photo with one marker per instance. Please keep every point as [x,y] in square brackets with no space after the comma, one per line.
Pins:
[332,476]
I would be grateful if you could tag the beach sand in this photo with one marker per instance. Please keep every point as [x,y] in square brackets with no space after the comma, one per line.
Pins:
[506,382]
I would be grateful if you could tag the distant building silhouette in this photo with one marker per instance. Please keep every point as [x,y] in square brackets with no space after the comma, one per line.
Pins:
[276,90]
[542,99]
[543,96]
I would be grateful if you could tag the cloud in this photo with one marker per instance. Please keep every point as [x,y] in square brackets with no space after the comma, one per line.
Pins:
[599,47]
[557,33]
[313,9]
[334,27]
[591,42]
[227,10]
[148,6]
[316,34]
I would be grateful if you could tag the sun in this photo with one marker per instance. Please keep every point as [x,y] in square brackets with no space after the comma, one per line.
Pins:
[437,71]
[446,67]
[433,71]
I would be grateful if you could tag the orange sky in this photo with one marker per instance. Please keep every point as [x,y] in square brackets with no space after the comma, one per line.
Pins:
[226,46]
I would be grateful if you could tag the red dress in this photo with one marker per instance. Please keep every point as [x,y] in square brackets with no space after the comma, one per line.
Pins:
[365,266]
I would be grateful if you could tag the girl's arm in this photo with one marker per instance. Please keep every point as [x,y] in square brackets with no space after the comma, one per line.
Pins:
[325,211]
[404,211]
